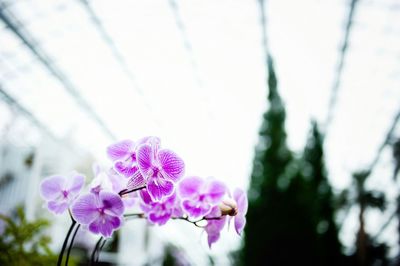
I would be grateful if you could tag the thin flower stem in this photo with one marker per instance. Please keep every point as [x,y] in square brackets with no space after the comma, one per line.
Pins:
[212,218]
[138,215]
[187,220]
[184,218]
[71,244]
[126,191]
[60,256]
[92,258]
[101,247]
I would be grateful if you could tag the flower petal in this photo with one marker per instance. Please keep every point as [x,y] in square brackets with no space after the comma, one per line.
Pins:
[75,184]
[145,155]
[216,191]
[159,218]
[241,200]
[125,168]
[213,229]
[213,237]
[84,210]
[129,202]
[120,150]
[105,225]
[159,188]
[195,209]
[215,212]
[240,222]
[190,186]
[172,164]
[57,207]
[145,196]
[112,203]
[137,180]
[51,187]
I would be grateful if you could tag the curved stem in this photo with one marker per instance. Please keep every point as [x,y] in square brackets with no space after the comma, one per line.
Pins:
[60,256]
[184,218]
[71,244]
[98,252]
[92,258]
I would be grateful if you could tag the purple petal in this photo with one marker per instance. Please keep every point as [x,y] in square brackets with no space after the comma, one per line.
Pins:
[148,140]
[84,210]
[240,222]
[105,225]
[112,203]
[137,180]
[215,212]
[51,187]
[146,208]
[159,218]
[145,196]
[75,184]
[57,207]
[125,168]
[145,156]
[101,182]
[190,186]
[241,200]
[215,191]
[129,202]
[177,210]
[172,164]
[159,188]
[196,209]
[120,150]
[213,230]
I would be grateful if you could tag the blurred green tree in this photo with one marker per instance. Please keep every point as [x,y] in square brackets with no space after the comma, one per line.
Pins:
[23,243]
[367,251]
[291,218]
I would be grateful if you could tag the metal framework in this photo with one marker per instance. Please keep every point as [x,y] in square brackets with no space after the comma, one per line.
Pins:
[14,26]
[22,110]
[340,65]
[186,41]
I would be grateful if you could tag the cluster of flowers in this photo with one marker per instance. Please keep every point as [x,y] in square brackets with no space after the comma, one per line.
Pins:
[144,173]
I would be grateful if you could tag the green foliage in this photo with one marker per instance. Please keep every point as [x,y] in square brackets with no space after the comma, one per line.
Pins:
[291,218]
[23,242]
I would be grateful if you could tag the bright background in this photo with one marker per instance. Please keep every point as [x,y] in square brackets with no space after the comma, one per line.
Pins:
[192,73]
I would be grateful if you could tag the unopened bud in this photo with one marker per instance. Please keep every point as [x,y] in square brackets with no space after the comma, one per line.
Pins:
[228,207]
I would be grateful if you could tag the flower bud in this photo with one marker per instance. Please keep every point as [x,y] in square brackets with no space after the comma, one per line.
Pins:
[228,207]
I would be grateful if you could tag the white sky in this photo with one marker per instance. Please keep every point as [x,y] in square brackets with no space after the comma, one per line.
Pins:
[213,125]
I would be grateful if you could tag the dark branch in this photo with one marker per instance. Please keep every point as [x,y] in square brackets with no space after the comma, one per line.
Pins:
[127,191]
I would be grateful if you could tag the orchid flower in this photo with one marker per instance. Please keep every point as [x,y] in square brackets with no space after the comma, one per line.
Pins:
[123,155]
[159,212]
[200,195]
[60,192]
[161,168]
[102,214]
[214,226]
[112,181]
[143,168]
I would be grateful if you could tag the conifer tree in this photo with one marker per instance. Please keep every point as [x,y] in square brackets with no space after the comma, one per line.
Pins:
[321,198]
[291,218]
